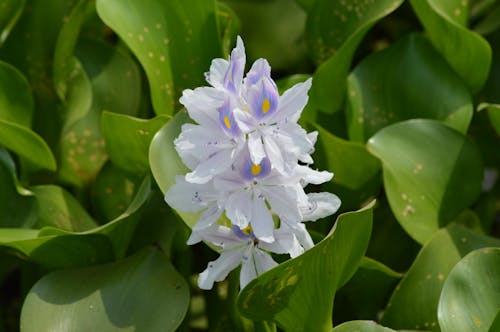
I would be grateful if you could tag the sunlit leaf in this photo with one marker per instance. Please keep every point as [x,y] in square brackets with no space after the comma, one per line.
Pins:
[174,41]
[142,293]
[399,83]
[128,138]
[298,294]
[431,173]
[470,298]
[466,51]
[334,30]
[424,280]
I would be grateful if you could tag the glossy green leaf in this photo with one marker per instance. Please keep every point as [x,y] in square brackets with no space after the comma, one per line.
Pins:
[174,41]
[55,248]
[356,172]
[16,101]
[112,191]
[27,144]
[141,293]
[361,326]
[334,30]
[229,25]
[466,51]
[470,298]
[424,280]
[113,84]
[431,173]
[128,138]
[298,294]
[9,14]
[58,208]
[164,161]
[399,83]
[365,295]
[17,204]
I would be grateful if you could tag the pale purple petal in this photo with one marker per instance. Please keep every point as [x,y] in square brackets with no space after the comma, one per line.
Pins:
[208,217]
[234,74]
[262,221]
[239,208]
[218,69]
[292,102]
[283,201]
[273,152]
[202,104]
[244,120]
[319,205]
[187,197]
[256,148]
[207,169]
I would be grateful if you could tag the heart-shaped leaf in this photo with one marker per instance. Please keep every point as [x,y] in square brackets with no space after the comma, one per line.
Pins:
[383,88]
[174,41]
[470,298]
[298,294]
[142,293]
[334,30]
[431,173]
[128,138]
[424,280]
[466,51]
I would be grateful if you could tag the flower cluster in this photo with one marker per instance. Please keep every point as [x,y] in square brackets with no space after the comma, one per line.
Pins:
[248,158]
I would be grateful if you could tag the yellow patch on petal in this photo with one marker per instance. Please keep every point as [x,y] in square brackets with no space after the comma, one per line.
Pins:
[247,230]
[227,122]
[265,106]
[255,169]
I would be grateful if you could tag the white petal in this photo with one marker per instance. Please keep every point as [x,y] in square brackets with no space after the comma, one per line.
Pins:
[262,221]
[263,261]
[292,102]
[239,208]
[248,271]
[208,217]
[283,202]
[285,242]
[273,152]
[207,169]
[320,205]
[218,70]
[302,235]
[219,269]
[194,238]
[256,148]
[223,237]
[202,104]
[185,196]
[229,182]
[244,120]
[312,176]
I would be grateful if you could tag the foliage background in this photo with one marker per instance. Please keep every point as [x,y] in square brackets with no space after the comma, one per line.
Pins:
[405,97]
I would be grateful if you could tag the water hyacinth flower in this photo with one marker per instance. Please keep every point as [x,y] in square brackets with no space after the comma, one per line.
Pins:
[249,159]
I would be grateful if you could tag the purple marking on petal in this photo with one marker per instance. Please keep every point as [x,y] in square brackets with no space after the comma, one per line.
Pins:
[246,233]
[227,121]
[234,74]
[263,98]
[250,171]
[260,69]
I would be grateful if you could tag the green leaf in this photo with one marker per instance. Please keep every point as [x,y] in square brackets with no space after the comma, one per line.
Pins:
[356,172]
[113,84]
[470,298]
[54,248]
[399,83]
[16,101]
[58,208]
[365,295]
[9,14]
[424,280]
[361,326]
[142,293]
[466,51]
[229,25]
[431,173]
[493,113]
[112,191]
[164,161]
[298,294]
[490,22]
[17,204]
[128,138]
[27,144]
[174,41]
[334,30]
